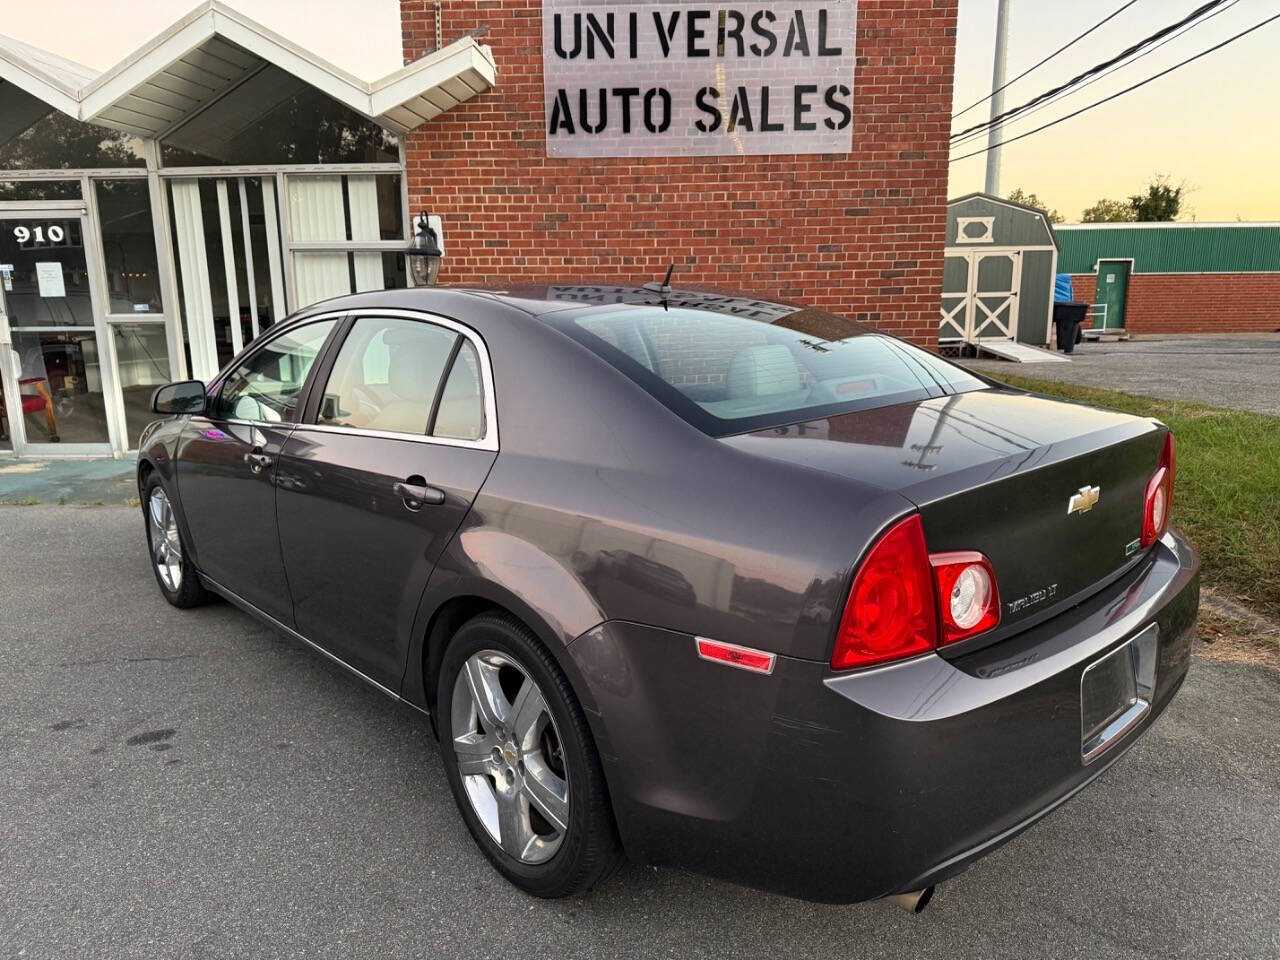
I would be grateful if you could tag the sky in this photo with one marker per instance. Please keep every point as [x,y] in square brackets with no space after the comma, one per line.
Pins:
[1213,125]
[99,33]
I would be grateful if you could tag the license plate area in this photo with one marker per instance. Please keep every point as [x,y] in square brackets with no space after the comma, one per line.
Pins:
[1116,692]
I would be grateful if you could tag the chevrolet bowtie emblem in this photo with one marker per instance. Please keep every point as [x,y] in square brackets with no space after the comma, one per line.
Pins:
[1084,500]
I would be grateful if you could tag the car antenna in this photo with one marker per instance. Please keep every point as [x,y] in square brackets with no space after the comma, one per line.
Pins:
[665,286]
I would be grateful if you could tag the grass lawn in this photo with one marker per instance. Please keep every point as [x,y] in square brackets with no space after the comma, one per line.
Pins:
[1227,497]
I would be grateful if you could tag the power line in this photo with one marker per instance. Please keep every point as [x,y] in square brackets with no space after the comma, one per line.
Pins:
[1037,66]
[1130,89]
[1092,80]
[1094,70]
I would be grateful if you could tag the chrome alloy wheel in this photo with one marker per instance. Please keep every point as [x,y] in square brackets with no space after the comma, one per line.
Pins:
[510,756]
[166,544]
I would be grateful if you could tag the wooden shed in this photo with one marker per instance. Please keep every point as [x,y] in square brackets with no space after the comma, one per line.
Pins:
[997,282]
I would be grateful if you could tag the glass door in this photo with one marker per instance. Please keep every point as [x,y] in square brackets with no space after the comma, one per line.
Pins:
[53,385]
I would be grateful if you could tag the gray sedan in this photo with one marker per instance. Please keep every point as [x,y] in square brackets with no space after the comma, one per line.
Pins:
[708,580]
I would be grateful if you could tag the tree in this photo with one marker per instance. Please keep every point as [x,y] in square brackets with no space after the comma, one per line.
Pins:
[1109,211]
[1031,200]
[1161,203]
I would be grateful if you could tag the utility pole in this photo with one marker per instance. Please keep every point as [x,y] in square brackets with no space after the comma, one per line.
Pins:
[997,99]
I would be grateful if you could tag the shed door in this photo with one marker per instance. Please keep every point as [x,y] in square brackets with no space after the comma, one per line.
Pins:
[994,279]
[1113,289]
[954,324]
[980,295]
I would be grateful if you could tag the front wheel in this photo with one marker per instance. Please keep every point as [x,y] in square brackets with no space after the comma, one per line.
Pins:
[521,762]
[169,558]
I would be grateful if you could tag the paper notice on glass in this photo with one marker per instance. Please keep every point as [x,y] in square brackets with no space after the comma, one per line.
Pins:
[49,277]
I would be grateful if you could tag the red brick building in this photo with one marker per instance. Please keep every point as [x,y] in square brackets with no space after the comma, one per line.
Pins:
[220,177]
[859,232]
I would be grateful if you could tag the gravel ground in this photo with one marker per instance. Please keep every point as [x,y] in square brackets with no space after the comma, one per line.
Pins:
[193,785]
[1242,374]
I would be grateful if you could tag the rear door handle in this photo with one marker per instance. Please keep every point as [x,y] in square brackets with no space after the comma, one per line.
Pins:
[415,492]
[258,461]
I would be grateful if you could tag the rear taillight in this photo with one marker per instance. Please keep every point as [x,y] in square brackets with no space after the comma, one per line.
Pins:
[891,612]
[905,602]
[1159,498]
[967,594]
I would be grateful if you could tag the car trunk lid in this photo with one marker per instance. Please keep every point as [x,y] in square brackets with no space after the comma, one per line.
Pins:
[1051,492]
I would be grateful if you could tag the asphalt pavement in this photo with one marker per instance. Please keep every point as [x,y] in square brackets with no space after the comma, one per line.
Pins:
[1241,373]
[191,784]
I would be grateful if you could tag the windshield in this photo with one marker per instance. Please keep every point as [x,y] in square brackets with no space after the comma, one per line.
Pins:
[729,374]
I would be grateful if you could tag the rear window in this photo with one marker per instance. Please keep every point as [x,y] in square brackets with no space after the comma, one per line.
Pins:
[730,374]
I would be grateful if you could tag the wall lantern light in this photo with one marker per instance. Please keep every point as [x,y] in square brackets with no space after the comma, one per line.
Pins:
[425,251]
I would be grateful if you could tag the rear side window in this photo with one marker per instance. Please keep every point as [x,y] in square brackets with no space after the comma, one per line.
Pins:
[728,374]
[405,376]
[460,415]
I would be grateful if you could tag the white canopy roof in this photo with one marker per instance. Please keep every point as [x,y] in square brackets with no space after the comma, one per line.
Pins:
[214,50]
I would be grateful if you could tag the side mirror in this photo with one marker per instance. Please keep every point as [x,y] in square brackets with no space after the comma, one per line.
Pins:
[185,396]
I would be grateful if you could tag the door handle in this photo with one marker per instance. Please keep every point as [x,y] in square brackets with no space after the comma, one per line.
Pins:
[415,492]
[258,461]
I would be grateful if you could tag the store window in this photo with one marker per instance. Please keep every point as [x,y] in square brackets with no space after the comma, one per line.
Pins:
[338,212]
[276,118]
[39,189]
[237,313]
[34,136]
[128,246]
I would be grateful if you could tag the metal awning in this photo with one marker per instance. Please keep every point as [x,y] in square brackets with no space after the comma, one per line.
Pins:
[214,50]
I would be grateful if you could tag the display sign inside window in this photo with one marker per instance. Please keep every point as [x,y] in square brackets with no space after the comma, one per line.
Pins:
[627,79]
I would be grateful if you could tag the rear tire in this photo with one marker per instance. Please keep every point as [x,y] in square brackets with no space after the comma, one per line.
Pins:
[521,761]
[169,556]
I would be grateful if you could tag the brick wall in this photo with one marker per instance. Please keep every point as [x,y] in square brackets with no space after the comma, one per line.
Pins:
[1195,302]
[861,234]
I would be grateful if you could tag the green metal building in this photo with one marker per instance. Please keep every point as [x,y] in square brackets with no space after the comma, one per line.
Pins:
[1171,247]
[1176,277]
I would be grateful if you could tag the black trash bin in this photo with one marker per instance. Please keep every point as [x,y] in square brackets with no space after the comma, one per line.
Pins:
[1067,317]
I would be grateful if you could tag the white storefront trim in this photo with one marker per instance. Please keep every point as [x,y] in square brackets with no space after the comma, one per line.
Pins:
[313,239]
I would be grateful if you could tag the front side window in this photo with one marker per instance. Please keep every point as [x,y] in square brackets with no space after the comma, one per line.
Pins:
[388,376]
[268,385]
[727,374]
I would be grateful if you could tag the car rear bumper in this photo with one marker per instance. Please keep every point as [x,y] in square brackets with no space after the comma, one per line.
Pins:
[847,787]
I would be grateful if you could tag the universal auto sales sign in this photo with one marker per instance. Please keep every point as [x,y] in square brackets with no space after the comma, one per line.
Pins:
[628,79]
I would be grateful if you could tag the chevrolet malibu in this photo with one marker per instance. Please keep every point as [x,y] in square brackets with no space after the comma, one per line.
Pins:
[709,581]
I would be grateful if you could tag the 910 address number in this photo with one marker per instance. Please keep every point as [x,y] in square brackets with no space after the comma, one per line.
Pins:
[51,234]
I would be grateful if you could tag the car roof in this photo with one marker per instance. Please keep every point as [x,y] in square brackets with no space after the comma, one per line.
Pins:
[543,299]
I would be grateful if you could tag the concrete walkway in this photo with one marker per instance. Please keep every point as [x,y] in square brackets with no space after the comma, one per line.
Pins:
[99,481]
[1241,373]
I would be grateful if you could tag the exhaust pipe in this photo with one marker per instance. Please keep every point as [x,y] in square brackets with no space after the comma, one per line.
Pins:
[913,902]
